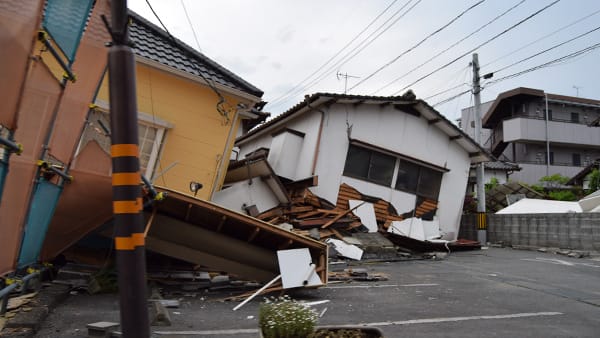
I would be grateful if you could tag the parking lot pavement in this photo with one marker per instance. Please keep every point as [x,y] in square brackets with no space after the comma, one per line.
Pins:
[495,292]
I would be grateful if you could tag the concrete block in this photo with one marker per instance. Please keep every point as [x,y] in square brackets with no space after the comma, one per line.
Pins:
[101,329]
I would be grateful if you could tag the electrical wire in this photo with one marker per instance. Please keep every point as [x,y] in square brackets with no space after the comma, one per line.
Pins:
[389,63]
[220,108]
[449,47]
[547,50]
[547,64]
[479,46]
[541,38]
[362,45]
[338,52]
[191,26]
[528,70]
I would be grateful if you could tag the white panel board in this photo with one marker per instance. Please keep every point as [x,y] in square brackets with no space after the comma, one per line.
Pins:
[345,249]
[297,269]
[366,213]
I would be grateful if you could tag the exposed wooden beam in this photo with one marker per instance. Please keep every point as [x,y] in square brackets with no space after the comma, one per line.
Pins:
[253,235]
[187,212]
[220,227]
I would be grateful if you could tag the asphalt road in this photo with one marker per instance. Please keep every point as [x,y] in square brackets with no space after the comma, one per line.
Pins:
[488,293]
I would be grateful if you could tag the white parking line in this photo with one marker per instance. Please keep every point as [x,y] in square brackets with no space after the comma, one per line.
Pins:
[402,322]
[559,262]
[377,286]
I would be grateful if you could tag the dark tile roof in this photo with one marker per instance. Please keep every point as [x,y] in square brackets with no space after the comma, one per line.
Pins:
[501,165]
[408,102]
[153,43]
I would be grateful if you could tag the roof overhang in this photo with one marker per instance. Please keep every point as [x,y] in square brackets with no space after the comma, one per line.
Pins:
[196,78]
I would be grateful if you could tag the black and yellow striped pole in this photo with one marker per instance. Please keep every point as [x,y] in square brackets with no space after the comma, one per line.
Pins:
[127,195]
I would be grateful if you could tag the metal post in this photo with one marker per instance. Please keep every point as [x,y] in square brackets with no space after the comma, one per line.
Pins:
[547,138]
[481,224]
[127,200]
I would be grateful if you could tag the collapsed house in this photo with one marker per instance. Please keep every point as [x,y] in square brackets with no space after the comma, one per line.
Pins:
[396,158]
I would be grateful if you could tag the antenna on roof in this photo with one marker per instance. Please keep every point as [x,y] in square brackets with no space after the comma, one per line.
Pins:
[345,76]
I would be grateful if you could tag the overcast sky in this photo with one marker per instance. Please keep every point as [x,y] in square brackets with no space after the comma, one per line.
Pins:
[276,44]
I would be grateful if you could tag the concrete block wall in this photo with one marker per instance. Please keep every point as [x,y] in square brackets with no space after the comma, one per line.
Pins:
[576,231]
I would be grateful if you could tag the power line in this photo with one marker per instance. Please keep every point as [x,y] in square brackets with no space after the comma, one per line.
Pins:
[479,46]
[541,38]
[449,47]
[362,45]
[191,26]
[418,44]
[338,52]
[547,64]
[528,70]
[547,50]
[220,109]
[445,91]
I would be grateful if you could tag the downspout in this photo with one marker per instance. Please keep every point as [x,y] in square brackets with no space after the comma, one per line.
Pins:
[317,146]
[547,139]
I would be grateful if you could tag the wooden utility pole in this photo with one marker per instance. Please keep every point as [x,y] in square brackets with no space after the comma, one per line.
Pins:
[127,195]
[481,219]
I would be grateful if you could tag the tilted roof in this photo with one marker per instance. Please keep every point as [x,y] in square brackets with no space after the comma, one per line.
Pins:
[407,103]
[153,43]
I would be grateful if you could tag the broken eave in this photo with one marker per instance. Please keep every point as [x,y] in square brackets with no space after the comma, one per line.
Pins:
[257,168]
[207,234]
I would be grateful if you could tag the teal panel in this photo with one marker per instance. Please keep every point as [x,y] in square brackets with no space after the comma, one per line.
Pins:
[65,21]
[40,214]
[3,170]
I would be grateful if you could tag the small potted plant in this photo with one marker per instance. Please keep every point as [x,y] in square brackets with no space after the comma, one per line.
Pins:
[283,317]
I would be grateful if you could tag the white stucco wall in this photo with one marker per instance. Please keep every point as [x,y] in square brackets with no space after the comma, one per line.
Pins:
[258,193]
[387,128]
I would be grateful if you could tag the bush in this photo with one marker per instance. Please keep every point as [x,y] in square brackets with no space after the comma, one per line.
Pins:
[283,317]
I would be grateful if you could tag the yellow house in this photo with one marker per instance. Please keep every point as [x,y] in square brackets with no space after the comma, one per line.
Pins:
[190,111]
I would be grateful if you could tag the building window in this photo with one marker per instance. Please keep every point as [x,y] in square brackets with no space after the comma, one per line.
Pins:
[150,139]
[576,160]
[419,180]
[575,117]
[369,165]
[377,167]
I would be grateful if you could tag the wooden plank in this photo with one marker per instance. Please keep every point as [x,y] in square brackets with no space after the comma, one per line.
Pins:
[340,216]
[299,209]
[309,214]
[220,226]
[277,211]
[337,234]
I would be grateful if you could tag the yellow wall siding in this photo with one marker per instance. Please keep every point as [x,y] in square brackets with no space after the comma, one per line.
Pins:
[199,134]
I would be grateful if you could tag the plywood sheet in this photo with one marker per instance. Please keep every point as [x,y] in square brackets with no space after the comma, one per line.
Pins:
[40,97]
[89,67]
[19,21]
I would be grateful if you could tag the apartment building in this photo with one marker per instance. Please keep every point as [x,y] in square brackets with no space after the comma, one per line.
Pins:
[516,128]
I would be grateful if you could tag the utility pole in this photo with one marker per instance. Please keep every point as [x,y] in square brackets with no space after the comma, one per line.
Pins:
[127,195]
[481,216]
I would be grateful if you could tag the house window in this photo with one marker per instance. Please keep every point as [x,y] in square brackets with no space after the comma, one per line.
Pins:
[418,179]
[377,167]
[575,117]
[150,137]
[576,160]
[369,165]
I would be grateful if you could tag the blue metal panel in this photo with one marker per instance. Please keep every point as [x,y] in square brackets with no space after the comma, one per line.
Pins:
[40,214]
[3,169]
[65,20]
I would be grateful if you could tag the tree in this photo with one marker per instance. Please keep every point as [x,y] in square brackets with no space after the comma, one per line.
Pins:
[594,180]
